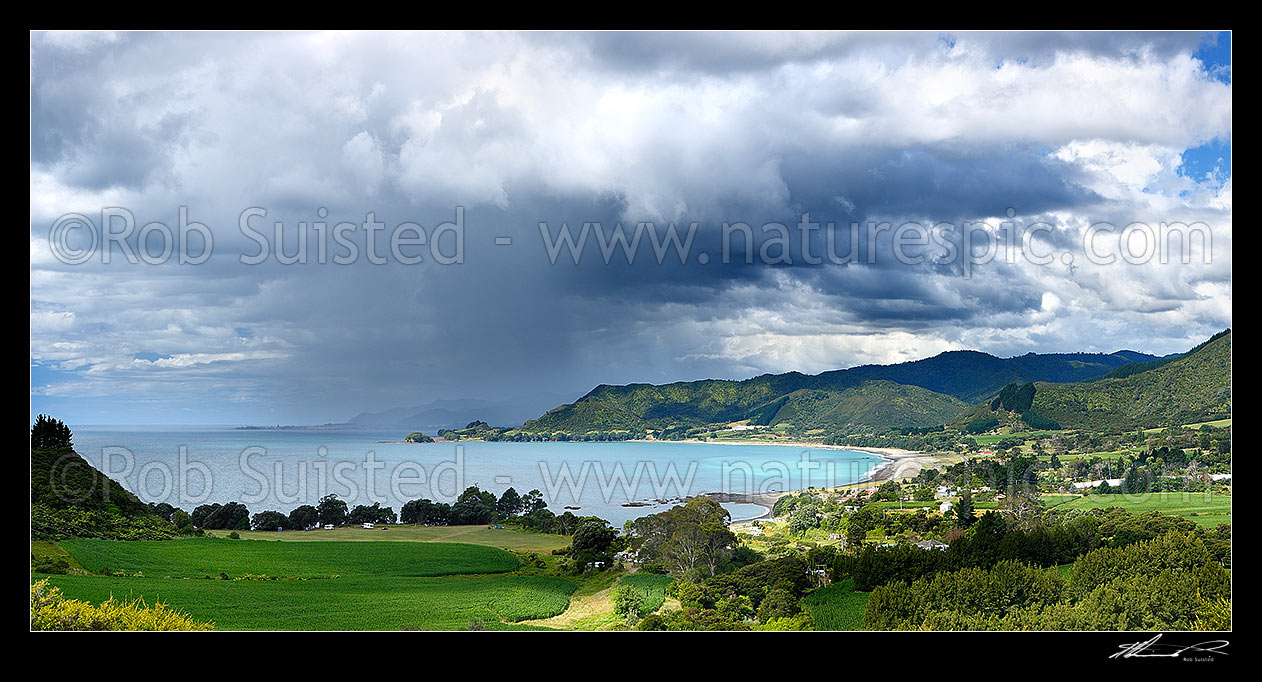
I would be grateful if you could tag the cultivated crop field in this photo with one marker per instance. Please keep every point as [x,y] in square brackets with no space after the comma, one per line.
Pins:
[504,538]
[319,585]
[346,603]
[652,586]
[200,557]
[837,607]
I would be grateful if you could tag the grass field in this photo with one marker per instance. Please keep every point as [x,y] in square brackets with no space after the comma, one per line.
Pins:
[1217,423]
[837,607]
[43,549]
[319,585]
[1205,510]
[995,438]
[504,538]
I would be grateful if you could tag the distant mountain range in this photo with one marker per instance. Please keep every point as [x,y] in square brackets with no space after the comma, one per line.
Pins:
[1074,389]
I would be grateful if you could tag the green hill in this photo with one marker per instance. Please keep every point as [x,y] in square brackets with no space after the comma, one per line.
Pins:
[1193,387]
[71,498]
[918,394]
[868,404]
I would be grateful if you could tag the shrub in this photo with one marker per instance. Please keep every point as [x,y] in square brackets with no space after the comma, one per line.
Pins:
[628,600]
[51,611]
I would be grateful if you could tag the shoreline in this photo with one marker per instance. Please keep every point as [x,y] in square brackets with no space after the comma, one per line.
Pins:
[897,463]
[883,471]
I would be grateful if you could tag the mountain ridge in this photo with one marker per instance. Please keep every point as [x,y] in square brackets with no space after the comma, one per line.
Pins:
[913,395]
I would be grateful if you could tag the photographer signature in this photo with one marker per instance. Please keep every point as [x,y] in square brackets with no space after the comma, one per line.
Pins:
[1151,649]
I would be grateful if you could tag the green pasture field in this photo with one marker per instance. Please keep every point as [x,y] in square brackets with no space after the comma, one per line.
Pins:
[1205,509]
[1217,423]
[995,438]
[318,585]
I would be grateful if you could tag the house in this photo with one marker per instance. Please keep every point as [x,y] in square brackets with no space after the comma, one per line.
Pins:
[932,544]
[945,507]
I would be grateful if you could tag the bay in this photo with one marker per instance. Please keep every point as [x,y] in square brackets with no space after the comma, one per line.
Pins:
[283,468]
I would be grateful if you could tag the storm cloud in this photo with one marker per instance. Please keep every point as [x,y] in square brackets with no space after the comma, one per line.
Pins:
[506,131]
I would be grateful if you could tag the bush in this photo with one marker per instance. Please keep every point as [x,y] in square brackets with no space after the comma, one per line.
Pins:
[51,611]
[56,566]
[60,524]
[628,600]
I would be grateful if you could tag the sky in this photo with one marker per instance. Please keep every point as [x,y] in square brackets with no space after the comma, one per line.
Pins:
[505,137]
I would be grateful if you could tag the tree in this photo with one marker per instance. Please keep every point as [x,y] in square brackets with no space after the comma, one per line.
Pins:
[372,514]
[332,510]
[779,603]
[532,502]
[803,519]
[857,528]
[509,504]
[50,434]
[304,517]
[231,516]
[182,521]
[629,601]
[269,520]
[964,511]
[592,541]
[889,490]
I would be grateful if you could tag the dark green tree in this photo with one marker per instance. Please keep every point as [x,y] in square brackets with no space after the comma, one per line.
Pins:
[964,511]
[332,509]
[269,520]
[510,504]
[50,434]
[304,517]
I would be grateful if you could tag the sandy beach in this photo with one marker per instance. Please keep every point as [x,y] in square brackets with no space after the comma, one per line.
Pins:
[899,463]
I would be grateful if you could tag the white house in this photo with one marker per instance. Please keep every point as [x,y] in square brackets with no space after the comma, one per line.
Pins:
[944,507]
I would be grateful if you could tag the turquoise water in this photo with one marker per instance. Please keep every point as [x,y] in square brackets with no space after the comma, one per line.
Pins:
[283,468]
